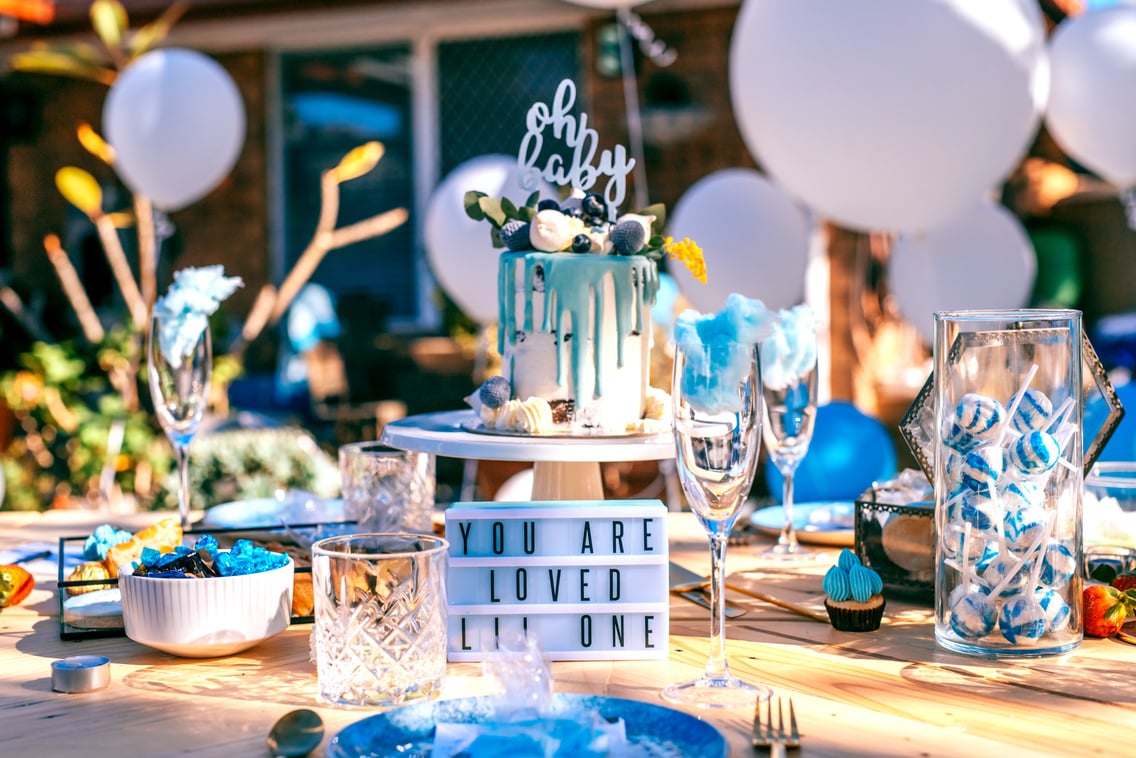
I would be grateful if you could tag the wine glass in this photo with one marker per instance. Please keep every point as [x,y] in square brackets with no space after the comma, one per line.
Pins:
[716,392]
[180,361]
[790,414]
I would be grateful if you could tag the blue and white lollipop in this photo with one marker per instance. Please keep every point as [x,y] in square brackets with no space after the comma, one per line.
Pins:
[980,510]
[973,615]
[1022,619]
[982,548]
[1035,453]
[1054,607]
[1057,564]
[982,468]
[1005,575]
[979,415]
[1032,413]
[1024,527]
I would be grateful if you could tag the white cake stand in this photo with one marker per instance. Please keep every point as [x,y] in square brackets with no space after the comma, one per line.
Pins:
[564,468]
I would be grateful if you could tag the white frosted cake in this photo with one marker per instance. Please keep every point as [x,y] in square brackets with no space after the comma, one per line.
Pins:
[575,288]
[575,330]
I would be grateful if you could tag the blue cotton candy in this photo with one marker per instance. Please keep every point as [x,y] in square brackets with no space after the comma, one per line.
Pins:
[790,350]
[103,539]
[717,350]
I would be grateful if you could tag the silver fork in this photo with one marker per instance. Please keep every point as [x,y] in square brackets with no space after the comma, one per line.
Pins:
[766,734]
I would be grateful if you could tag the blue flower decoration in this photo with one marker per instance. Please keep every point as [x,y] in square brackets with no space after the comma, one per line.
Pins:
[183,313]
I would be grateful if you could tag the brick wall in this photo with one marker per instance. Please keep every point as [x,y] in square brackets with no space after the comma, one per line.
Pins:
[229,226]
[701,40]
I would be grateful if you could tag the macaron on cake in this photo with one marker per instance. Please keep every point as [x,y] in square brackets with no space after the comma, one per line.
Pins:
[853,595]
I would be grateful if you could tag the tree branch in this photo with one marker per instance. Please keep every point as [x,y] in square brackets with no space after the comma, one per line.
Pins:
[73,288]
[112,246]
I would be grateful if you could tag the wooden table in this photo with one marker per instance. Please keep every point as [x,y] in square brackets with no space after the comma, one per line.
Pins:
[893,692]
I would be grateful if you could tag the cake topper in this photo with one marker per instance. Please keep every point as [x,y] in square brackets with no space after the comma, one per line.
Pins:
[583,142]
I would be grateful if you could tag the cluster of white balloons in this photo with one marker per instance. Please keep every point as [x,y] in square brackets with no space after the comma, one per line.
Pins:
[1092,111]
[901,116]
[894,116]
[459,249]
[177,123]
[755,237]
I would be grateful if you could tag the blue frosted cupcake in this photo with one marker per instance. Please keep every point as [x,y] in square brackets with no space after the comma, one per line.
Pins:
[853,595]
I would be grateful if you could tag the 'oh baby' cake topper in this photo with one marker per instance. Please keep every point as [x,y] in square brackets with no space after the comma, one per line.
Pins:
[578,170]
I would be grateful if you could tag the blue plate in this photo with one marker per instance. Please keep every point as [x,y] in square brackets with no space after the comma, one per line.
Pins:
[816,523]
[270,512]
[409,731]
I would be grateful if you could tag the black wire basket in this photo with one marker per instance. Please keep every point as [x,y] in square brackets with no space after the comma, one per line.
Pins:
[80,626]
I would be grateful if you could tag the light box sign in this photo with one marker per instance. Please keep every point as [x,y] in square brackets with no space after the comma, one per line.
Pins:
[588,580]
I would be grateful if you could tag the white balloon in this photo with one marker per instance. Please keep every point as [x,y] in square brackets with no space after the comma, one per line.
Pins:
[176,122]
[459,249]
[1092,111]
[754,236]
[981,258]
[889,114]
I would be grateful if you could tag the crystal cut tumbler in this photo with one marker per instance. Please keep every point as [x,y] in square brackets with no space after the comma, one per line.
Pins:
[379,637]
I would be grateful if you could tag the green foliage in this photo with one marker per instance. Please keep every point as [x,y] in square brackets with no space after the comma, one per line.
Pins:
[119,45]
[253,463]
[65,407]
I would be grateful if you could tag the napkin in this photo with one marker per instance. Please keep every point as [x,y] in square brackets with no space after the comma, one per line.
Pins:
[41,558]
[589,737]
[524,721]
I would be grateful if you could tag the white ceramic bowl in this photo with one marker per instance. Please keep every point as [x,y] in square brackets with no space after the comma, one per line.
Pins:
[207,618]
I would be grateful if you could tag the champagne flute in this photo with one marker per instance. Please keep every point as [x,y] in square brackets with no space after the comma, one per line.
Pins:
[790,414]
[716,393]
[180,362]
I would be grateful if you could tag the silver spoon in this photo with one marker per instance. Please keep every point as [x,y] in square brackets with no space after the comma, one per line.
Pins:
[296,734]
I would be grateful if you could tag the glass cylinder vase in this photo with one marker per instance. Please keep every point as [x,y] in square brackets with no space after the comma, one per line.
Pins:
[1008,392]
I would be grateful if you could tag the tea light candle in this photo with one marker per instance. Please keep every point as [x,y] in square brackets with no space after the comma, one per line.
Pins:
[80,673]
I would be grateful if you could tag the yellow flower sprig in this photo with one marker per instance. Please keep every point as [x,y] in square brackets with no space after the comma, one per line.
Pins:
[690,254]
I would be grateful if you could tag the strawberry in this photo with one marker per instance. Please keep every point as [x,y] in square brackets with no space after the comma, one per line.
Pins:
[1124,582]
[1106,609]
[15,584]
